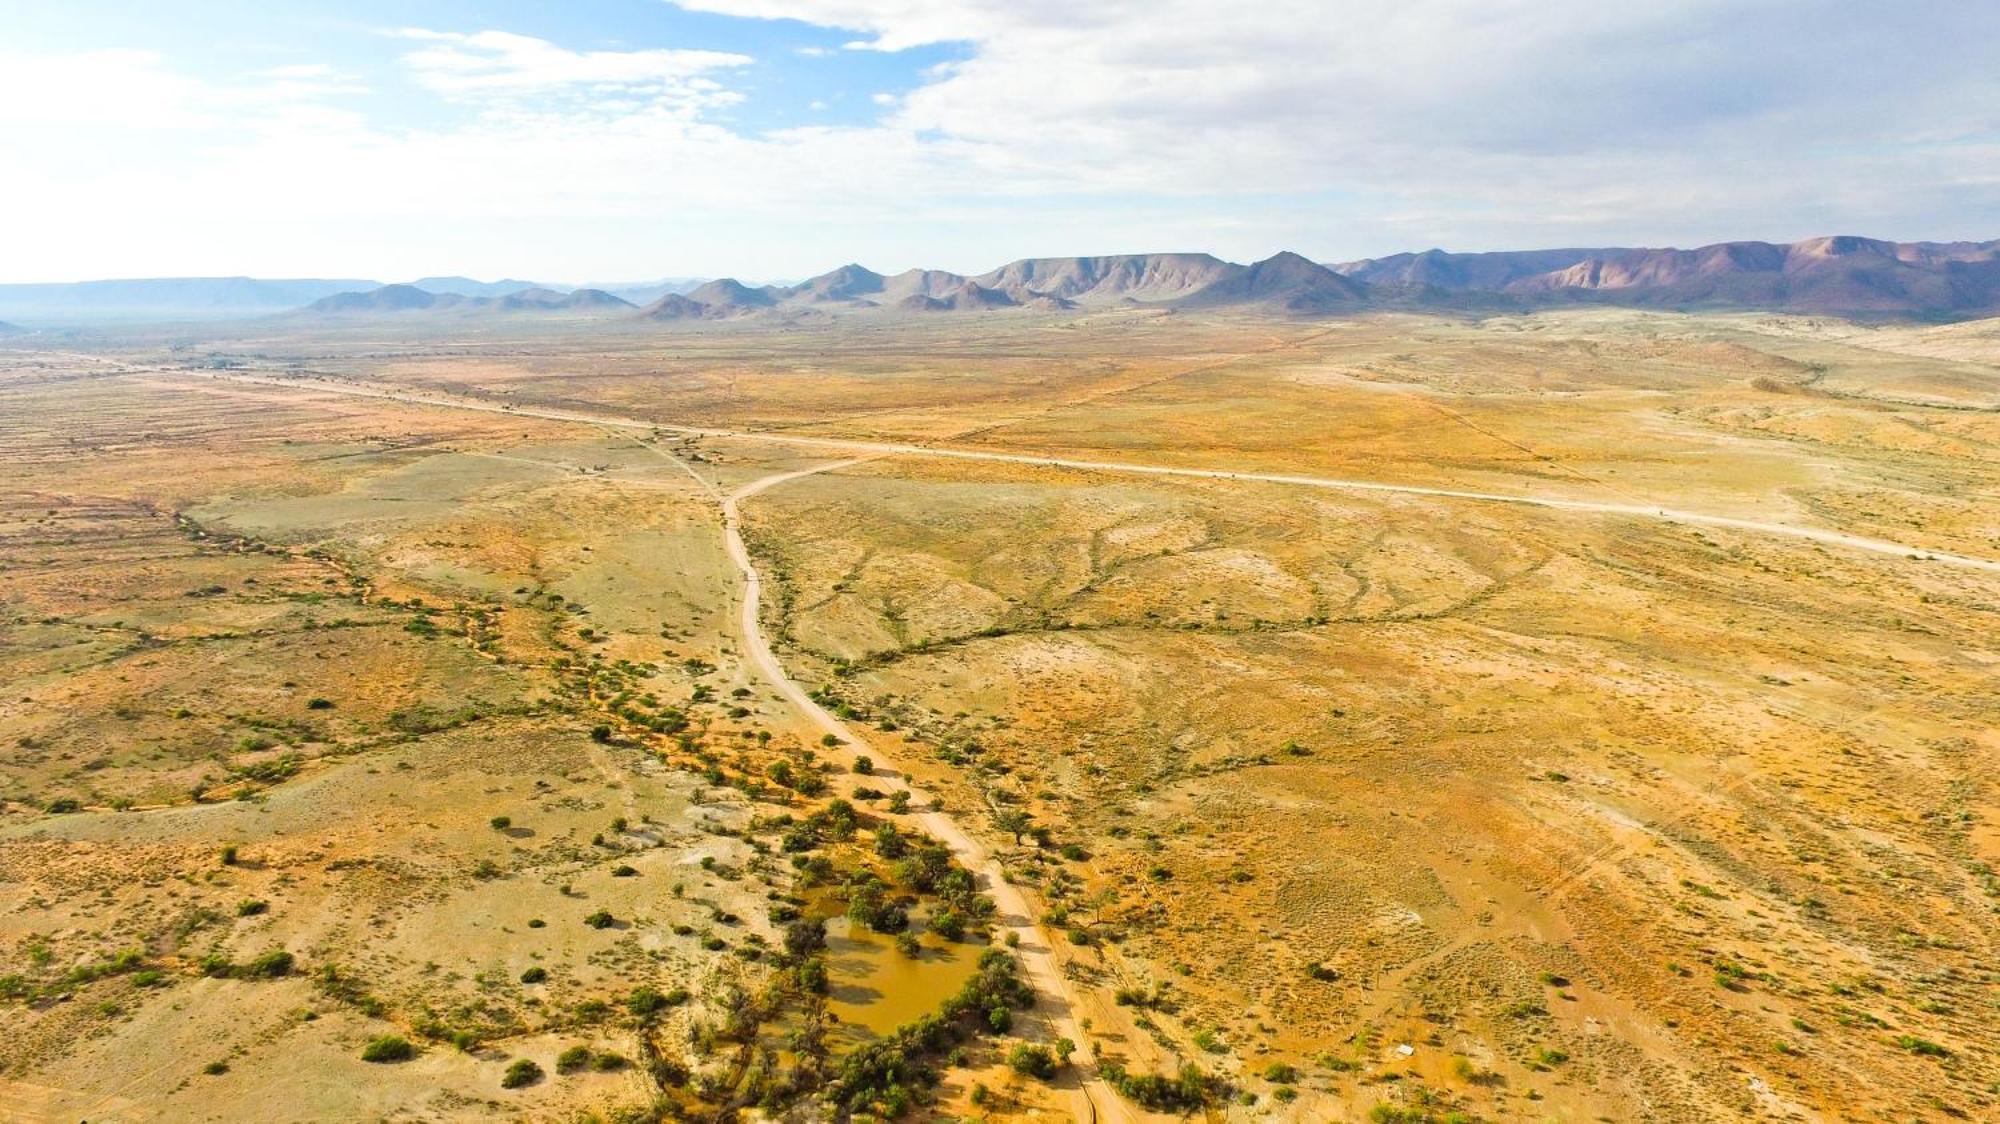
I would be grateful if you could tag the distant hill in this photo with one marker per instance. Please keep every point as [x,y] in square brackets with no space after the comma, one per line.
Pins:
[646,292]
[966,296]
[1287,283]
[727,296]
[393,299]
[165,298]
[674,306]
[1841,275]
[631,292]
[467,287]
[388,298]
[848,283]
[1144,278]
[551,300]
[919,282]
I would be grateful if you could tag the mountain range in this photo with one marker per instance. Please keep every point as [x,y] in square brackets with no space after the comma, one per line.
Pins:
[238,298]
[165,298]
[1840,275]
[1285,283]
[413,298]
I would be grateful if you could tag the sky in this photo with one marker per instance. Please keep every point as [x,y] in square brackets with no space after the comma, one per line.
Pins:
[622,140]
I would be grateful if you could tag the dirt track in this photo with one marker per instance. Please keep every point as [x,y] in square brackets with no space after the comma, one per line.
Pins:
[1094,1100]
[884,448]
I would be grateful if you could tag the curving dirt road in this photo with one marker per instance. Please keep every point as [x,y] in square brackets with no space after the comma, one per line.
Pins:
[1093,1099]
[893,448]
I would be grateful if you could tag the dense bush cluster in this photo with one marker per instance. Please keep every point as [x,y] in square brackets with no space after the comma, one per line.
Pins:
[1186,1091]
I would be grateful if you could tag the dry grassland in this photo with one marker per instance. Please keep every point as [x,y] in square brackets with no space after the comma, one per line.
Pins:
[1359,801]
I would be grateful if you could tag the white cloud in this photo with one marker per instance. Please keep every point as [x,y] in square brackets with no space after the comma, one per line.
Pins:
[1336,129]
[129,94]
[1567,117]
[498,63]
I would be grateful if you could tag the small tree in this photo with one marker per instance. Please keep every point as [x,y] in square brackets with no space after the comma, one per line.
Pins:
[1014,822]
[804,937]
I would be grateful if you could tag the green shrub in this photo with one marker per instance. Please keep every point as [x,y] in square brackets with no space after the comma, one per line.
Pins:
[269,965]
[520,1073]
[250,907]
[1032,1061]
[573,1059]
[388,1048]
[534,975]
[648,1001]
[602,919]
[1922,1046]
[1188,1090]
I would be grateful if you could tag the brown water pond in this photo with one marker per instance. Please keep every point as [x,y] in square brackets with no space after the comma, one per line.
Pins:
[873,987]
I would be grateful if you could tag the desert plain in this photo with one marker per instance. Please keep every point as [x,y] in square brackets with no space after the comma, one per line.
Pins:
[1587,714]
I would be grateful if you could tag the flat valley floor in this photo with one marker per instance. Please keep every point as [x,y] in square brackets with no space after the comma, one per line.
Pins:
[1590,715]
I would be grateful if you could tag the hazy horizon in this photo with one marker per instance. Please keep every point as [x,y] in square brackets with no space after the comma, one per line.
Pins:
[516,276]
